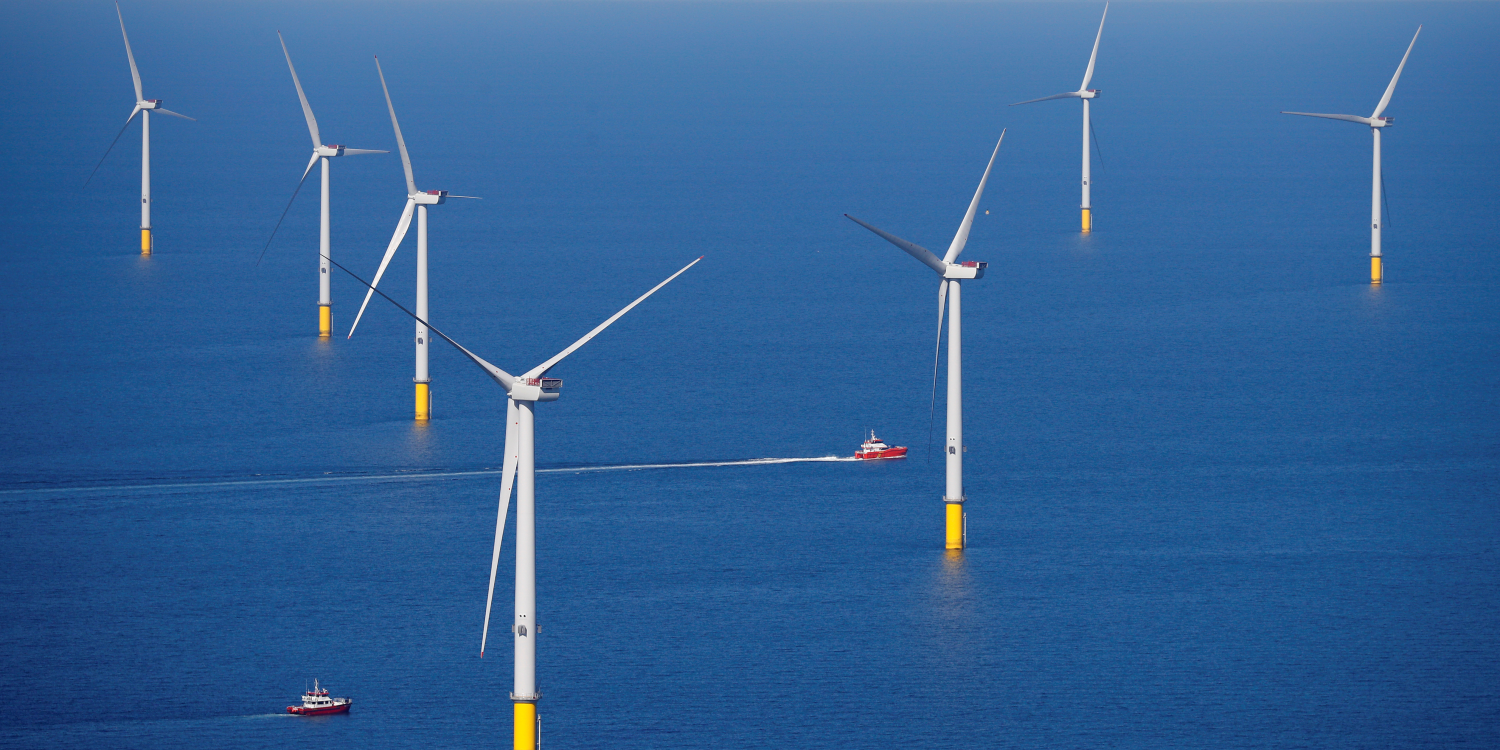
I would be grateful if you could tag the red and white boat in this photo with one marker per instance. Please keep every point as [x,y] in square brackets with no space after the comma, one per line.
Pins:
[316,702]
[874,448]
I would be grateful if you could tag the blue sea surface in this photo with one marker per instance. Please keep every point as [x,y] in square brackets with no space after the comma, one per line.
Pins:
[1222,491]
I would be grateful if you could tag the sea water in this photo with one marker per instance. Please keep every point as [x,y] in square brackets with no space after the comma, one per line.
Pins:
[1222,492]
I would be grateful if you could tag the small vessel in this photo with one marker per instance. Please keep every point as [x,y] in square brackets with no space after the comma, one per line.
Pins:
[316,702]
[875,448]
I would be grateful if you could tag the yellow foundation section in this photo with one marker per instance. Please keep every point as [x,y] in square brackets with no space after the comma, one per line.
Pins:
[955,537]
[1088,220]
[325,321]
[1375,270]
[145,242]
[525,726]
[424,403]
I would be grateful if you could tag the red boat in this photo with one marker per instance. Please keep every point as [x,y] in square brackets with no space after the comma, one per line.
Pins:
[316,702]
[874,448]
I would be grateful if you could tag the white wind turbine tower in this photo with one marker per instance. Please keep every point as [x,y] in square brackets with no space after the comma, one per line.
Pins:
[418,200]
[523,393]
[950,273]
[1376,123]
[323,153]
[1085,93]
[144,107]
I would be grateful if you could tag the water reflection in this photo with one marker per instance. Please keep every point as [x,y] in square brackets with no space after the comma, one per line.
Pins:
[419,442]
[953,592]
[1085,244]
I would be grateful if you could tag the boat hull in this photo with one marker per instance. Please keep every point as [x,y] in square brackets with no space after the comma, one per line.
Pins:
[320,711]
[896,452]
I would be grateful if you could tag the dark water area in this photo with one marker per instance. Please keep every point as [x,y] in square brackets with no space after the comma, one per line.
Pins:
[1222,491]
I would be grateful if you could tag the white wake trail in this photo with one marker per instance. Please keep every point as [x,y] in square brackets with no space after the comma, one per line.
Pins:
[745,462]
[410,477]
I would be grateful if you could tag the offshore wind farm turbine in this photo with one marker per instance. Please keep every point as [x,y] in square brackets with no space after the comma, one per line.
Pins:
[418,200]
[1085,93]
[322,153]
[1376,123]
[523,393]
[144,107]
[950,273]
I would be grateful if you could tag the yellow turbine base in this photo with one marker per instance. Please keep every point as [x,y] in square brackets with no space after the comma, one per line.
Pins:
[424,403]
[1088,220]
[955,526]
[325,321]
[1375,270]
[145,242]
[525,726]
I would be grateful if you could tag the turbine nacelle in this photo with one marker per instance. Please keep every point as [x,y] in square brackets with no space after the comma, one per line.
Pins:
[148,104]
[536,389]
[430,197]
[969,269]
[1090,93]
[334,150]
[1382,122]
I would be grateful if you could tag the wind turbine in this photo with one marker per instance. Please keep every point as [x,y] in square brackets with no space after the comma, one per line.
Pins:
[323,153]
[1085,93]
[523,392]
[144,107]
[1376,123]
[950,273]
[420,201]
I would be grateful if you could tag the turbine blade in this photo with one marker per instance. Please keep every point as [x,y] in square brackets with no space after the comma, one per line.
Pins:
[912,249]
[1063,95]
[1094,133]
[288,208]
[542,368]
[498,375]
[390,250]
[962,238]
[310,163]
[1391,89]
[512,457]
[1350,118]
[1088,75]
[112,143]
[936,350]
[358,151]
[135,75]
[312,122]
[174,114]
[411,184]
[1384,200]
